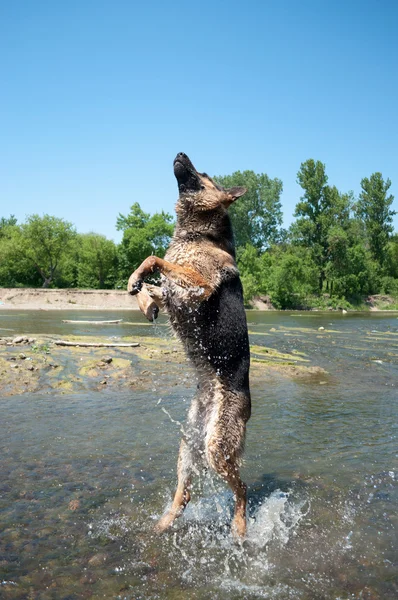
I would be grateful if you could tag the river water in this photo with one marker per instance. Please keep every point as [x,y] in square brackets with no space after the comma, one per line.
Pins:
[84,477]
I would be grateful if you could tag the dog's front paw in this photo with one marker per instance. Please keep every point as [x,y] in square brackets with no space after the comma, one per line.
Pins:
[152,312]
[134,284]
[147,306]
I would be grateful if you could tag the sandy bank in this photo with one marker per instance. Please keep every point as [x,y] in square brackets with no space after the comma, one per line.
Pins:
[66,299]
[69,299]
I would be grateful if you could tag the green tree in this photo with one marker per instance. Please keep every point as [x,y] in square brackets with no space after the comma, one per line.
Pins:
[320,208]
[6,223]
[97,265]
[286,273]
[143,235]
[289,275]
[67,272]
[39,244]
[250,269]
[393,256]
[350,269]
[374,207]
[14,270]
[389,282]
[257,216]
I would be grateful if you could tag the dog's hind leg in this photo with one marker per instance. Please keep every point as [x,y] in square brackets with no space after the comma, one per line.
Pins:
[229,471]
[183,494]
[223,447]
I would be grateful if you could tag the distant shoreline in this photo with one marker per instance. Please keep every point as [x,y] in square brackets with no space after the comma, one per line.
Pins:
[65,299]
[74,299]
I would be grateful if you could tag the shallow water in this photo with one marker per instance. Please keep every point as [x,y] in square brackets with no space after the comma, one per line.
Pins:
[84,477]
[50,321]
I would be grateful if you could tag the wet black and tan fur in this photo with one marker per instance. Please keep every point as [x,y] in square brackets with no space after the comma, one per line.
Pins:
[202,294]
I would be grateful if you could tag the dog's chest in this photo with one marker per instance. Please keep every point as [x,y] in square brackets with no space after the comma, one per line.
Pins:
[183,253]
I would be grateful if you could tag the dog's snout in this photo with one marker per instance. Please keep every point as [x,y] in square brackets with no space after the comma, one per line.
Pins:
[186,174]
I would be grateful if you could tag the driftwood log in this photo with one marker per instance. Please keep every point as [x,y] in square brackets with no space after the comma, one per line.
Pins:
[96,345]
[93,322]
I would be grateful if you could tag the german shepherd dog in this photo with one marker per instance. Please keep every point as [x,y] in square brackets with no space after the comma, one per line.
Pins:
[202,294]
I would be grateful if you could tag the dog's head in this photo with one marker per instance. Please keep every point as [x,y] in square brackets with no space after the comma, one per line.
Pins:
[199,189]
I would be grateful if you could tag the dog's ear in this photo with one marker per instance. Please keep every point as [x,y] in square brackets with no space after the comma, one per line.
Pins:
[234,193]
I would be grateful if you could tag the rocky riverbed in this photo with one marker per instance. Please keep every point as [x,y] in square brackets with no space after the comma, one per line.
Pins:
[38,363]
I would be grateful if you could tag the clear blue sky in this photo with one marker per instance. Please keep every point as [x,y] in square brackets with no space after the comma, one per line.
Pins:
[97,97]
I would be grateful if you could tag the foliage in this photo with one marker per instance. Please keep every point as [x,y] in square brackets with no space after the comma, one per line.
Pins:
[38,245]
[67,272]
[389,285]
[250,268]
[284,272]
[6,223]
[257,216]
[143,235]
[290,275]
[44,349]
[31,252]
[320,208]
[350,269]
[327,302]
[97,265]
[15,271]
[337,251]
[391,260]
[373,208]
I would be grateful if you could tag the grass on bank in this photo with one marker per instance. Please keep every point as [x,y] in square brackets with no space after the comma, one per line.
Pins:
[327,302]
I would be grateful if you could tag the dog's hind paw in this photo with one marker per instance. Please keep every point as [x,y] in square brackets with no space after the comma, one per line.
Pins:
[238,527]
[165,522]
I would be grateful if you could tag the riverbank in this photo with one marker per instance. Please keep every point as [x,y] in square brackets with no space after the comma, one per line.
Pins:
[66,299]
[73,299]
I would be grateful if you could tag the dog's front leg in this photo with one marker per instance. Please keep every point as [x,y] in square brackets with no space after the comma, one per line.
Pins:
[150,300]
[184,276]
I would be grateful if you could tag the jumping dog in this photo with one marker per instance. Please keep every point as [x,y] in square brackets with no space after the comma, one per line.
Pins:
[202,293]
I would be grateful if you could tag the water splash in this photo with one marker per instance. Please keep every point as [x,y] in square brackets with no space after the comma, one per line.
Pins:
[276,519]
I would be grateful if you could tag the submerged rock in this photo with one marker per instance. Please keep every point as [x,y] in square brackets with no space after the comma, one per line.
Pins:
[98,559]
[107,360]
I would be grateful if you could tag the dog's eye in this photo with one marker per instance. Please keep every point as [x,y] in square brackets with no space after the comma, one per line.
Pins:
[202,187]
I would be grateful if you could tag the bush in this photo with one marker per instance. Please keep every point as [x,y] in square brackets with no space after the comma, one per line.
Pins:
[290,276]
[389,285]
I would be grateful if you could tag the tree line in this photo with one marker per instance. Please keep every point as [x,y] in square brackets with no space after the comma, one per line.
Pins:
[338,249]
